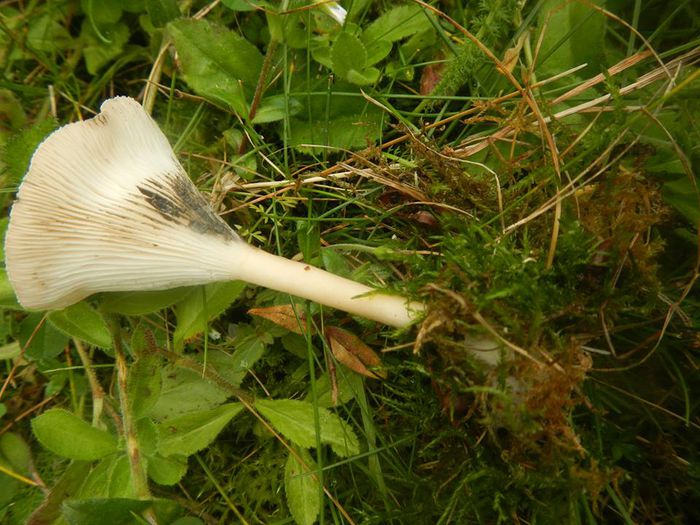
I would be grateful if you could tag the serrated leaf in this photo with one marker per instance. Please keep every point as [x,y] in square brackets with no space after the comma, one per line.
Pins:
[201,305]
[184,391]
[144,384]
[302,488]
[397,23]
[348,53]
[162,11]
[140,303]
[82,322]
[167,471]
[117,511]
[217,63]
[66,435]
[190,433]
[295,420]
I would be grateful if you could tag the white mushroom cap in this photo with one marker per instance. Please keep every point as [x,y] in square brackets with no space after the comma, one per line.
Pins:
[106,206]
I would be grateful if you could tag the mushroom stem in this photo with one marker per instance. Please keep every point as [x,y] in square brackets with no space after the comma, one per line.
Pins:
[309,282]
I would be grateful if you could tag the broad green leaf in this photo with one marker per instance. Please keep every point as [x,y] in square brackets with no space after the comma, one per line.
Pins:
[66,435]
[97,482]
[46,34]
[46,341]
[189,433]
[243,5]
[201,305]
[288,28]
[10,350]
[343,132]
[140,303]
[340,119]
[295,420]
[188,520]
[347,54]
[167,471]
[7,293]
[147,432]
[335,262]
[104,11]
[573,35]
[276,107]
[377,51]
[144,384]
[118,511]
[308,238]
[20,148]
[683,195]
[120,482]
[184,391]
[302,488]
[82,322]
[250,347]
[217,63]
[348,385]
[67,486]
[105,47]
[15,451]
[9,487]
[162,11]
[397,23]
[365,77]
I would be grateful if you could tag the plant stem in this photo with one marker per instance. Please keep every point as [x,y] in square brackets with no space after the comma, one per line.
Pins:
[262,79]
[306,281]
[138,472]
[98,394]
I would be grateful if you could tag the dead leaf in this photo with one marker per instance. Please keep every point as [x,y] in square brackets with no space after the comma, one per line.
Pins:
[350,351]
[283,315]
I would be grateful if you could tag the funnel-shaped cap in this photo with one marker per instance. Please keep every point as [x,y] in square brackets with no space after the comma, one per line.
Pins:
[106,206]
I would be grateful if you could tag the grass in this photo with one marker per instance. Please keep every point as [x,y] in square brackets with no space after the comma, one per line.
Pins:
[459,153]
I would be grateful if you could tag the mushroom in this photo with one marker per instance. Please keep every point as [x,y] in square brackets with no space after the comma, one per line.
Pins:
[106,206]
